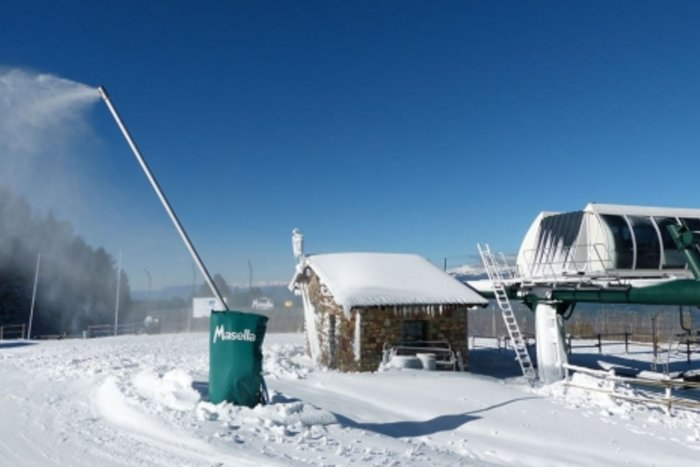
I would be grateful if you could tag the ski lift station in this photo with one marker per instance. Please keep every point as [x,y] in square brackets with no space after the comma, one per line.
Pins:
[602,254]
[605,240]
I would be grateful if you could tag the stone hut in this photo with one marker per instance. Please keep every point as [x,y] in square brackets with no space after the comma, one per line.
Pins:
[356,305]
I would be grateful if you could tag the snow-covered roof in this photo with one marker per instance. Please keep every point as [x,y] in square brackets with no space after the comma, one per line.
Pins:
[628,210]
[388,279]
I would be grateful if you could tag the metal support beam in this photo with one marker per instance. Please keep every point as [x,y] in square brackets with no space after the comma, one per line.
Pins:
[686,241]
[551,347]
[163,199]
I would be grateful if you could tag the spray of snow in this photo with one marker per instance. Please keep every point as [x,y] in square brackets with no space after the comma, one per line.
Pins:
[39,110]
[42,118]
[44,136]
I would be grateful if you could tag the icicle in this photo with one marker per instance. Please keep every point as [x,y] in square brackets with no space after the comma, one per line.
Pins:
[356,346]
[310,324]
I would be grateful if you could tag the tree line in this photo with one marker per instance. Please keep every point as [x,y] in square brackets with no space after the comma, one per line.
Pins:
[76,284]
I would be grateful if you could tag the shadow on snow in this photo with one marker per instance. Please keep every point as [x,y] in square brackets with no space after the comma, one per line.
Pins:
[202,387]
[422,428]
[10,345]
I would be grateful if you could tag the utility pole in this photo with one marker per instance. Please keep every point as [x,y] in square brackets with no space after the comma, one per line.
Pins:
[119,286]
[148,297]
[31,310]
[194,281]
[250,282]
[194,291]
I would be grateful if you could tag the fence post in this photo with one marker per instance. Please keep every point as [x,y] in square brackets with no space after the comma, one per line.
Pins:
[600,344]
[653,336]
[627,342]
[2,328]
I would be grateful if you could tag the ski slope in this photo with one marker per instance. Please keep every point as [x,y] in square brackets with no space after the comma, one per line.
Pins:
[140,400]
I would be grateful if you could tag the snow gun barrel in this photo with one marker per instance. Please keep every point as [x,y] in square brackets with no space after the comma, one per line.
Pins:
[161,196]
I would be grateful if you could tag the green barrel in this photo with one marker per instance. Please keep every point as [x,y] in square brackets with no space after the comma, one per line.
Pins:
[235,357]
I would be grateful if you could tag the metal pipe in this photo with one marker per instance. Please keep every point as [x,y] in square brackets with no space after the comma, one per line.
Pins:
[163,199]
[687,329]
[686,241]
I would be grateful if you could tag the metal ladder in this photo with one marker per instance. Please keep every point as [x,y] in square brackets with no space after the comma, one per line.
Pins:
[495,271]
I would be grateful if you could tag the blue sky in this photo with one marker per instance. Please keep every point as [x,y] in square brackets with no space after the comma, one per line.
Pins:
[404,126]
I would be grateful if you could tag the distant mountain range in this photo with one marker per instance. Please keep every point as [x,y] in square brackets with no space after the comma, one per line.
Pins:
[467,272]
[278,292]
[475,271]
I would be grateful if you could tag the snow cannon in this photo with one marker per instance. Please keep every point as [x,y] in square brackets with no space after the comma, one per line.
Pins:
[235,351]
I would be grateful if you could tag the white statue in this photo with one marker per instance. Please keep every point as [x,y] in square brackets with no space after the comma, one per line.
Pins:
[298,243]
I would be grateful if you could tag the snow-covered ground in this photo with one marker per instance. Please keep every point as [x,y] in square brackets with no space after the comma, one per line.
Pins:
[140,400]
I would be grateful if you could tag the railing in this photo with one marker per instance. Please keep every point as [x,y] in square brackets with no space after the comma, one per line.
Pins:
[506,271]
[667,384]
[51,336]
[503,342]
[444,354]
[599,338]
[103,330]
[691,344]
[13,331]
[544,262]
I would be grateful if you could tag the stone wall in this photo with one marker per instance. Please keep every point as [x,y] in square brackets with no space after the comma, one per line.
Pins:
[379,325]
[336,330]
[384,325]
